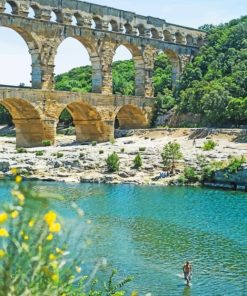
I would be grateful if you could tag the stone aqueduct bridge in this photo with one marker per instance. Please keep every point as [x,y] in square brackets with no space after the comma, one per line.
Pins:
[101,30]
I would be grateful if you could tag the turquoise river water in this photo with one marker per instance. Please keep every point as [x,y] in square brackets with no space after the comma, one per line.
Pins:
[148,232]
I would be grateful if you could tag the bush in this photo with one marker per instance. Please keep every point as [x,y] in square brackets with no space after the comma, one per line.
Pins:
[142,149]
[112,162]
[209,145]
[21,150]
[82,155]
[112,140]
[39,153]
[138,161]
[46,143]
[101,152]
[190,175]
[235,164]
[94,143]
[35,259]
[122,150]
[59,155]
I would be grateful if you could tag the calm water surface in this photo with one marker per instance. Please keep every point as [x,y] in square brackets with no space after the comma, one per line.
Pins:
[148,232]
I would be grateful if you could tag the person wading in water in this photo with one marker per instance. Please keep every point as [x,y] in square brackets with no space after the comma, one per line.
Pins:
[187,269]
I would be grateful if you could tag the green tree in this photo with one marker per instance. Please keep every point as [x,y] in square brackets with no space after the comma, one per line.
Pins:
[171,154]
[138,161]
[113,162]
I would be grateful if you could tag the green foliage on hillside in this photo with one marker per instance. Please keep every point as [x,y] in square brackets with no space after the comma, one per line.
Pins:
[215,83]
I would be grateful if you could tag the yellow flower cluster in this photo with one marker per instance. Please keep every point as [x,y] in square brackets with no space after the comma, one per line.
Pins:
[3,217]
[4,232]
[19,196]
[51,221]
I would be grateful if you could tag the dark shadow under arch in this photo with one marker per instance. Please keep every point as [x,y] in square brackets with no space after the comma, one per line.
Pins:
[130,117]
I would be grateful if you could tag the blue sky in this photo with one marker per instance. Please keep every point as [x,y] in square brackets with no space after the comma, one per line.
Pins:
[15,62]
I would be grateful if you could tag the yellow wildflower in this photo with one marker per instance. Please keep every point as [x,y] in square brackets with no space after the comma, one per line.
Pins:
[78,269]
[4,232]
[18,179]
[50,237]
[55,227]
[19,196]
[31,223]
[52,257]
[3,217]
[14,171]
[134,293]
[26,237]
[50,218]
[2,253]
[59,251]
[55,278]
[14,214]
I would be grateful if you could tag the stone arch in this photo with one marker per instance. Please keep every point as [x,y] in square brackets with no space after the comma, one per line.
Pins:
[90,46]
[79,18]
[167,36]
[14,7]
[200,41]
[30,131]
[114,26]
[130,117]
[154,33]
[87,121]
[56,16]
[179,37]
[128,28]
[37,10]
[97,23]
[139,67]
[176,64]
[33,48]
[141,30]
[189,40]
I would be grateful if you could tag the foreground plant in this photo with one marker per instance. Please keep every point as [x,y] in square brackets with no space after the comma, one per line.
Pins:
[35,258]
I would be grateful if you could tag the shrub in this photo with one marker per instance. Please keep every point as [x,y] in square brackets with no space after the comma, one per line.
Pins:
[59,155]
[34,259]
[171,154]
[138,161]
[39,153]
[21,150]
[122,150]
[70,131]
[82,155]
[94,143]
[142,149]
[190,175]
[235,164]
[113,162]
[46,143]
[209,145]
[101,152]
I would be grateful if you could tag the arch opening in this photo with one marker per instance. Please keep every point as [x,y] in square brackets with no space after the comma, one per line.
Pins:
[27,121]
[114,26]
[179,38]
[154,33]
[74,21]
[73,67]
[176,65]
[141,30]
[15,58]
[167,36]
[130,117]
[87,122]
[128,29]
[31,13]
[11,7]
[123,72]
[96,23]
[189,40]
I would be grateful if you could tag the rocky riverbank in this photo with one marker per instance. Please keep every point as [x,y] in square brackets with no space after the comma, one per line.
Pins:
[72,162]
